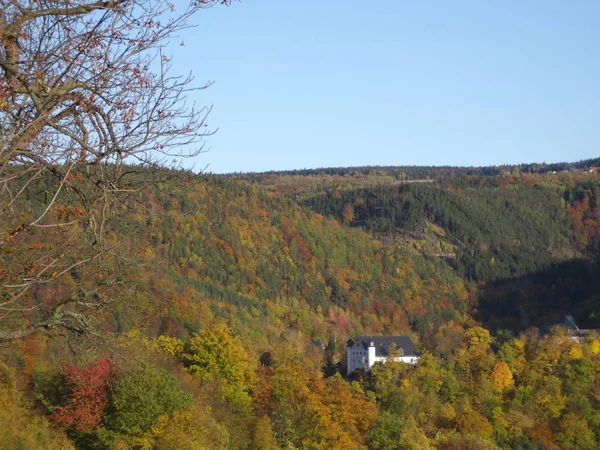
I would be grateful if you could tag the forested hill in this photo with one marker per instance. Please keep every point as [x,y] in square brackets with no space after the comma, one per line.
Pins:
[230,305]
[491,225]
[144,307]
[371,257]
[270,265]
[307,179]
[350,253]
[485,233]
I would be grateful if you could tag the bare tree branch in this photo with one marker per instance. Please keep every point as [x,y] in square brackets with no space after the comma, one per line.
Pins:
[85,92]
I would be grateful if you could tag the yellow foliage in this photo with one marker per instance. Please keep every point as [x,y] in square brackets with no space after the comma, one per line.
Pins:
[216,353]
[502,376]
[473,423]
[447,411]
[477,338]
[595,346]
[414,439]
[194,429]
[513,353]
[168,344]
[548,400]
[314,412]
[21,428]
[132,338]
[576,351]
[263,435]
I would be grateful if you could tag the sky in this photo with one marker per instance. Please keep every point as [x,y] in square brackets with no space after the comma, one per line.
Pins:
[332,83]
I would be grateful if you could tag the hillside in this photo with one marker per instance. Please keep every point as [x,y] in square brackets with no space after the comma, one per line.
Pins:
[492,230]
[262,260]
[312,179]
[230,303]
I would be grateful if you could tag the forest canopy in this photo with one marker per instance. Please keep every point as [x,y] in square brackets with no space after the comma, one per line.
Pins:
[143,306]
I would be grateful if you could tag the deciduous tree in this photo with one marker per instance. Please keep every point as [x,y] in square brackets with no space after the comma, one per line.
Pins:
[141,396]
[217,354]
[85,91]
[502,376]
[88,397]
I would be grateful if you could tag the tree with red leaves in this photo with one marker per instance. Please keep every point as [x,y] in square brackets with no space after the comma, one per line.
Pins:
[89,395]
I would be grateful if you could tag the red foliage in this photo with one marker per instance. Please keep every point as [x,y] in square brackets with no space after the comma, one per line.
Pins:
[303,249]
[263,392]
[288,230]
[343,323]
[88,398]
[504,181]
[541,433]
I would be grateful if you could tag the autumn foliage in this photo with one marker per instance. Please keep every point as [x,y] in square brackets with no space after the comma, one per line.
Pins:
[234,337]
[502,376]
[88,396]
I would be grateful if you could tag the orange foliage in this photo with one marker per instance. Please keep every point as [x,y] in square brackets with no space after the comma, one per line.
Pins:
[502,376]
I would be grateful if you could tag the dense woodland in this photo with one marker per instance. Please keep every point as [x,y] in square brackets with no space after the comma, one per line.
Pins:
[235,300]
[147,307]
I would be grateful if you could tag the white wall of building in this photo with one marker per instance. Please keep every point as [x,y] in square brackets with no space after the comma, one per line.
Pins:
[359,358]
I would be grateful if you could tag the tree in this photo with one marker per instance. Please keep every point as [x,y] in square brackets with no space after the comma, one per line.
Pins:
[85,92]
[391,432]
[575,433]
[88,396]
[263,435]
[386,432]
[502,376]
[141,396]
[19,428]
[217,354]
[194,429]
[471,422]
[348,213]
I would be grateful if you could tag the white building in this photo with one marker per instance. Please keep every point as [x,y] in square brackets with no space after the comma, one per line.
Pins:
[364,351]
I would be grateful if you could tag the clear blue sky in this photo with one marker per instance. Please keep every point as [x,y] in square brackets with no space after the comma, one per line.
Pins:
[322,83]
